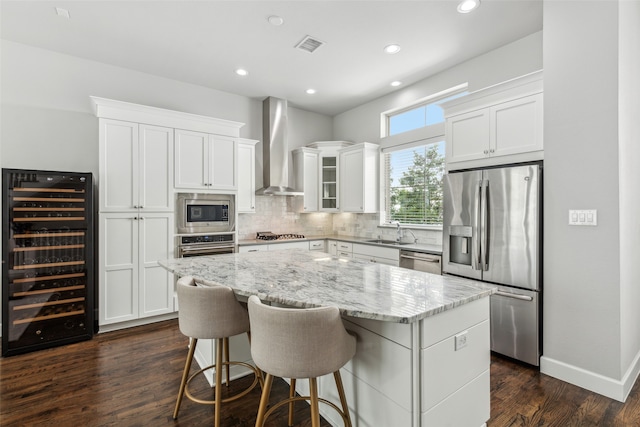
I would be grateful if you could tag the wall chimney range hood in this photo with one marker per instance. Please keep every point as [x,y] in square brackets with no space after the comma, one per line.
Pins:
[275,149]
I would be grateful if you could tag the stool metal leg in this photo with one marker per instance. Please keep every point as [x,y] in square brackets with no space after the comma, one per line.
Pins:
[226,357]
[315,410]
[218,390]
[264,400]
[343,398]
[185,375]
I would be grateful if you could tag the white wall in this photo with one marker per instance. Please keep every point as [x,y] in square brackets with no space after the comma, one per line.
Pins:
[46,108]
[363,122]
[629,133]
[513,60]
[591,292]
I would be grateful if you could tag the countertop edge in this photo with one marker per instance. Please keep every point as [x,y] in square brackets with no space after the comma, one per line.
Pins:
[416,247]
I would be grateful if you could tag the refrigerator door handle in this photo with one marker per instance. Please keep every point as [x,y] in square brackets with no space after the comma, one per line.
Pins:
[515,296]
[477,249]
[484,224]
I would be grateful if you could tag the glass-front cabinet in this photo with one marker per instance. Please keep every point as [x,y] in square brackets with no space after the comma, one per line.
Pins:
[329,173]
[329,195]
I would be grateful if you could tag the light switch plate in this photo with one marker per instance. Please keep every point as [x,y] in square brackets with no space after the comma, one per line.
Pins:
[583,217]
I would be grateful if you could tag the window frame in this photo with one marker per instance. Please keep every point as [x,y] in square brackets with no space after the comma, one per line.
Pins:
[416,137]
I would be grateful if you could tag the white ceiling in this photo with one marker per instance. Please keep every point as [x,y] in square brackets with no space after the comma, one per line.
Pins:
[203,42]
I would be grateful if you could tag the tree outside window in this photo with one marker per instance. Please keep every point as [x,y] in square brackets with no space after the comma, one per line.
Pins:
[414,184]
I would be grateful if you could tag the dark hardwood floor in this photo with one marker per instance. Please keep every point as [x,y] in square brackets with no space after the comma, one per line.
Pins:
[131,378]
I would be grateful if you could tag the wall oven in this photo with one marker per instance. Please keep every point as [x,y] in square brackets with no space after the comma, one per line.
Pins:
[205,213]
[207,244]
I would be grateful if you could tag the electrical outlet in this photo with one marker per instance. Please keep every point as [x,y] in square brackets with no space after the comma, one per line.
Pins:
[461,340]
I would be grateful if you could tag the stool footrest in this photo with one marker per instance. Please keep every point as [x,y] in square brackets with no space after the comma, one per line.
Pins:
[236,396]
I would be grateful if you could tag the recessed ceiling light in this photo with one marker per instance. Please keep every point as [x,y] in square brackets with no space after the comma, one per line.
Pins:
[391,49]
[241,72]
[275,20]
[467,6]
[310,91]
[62,12]
[396,83]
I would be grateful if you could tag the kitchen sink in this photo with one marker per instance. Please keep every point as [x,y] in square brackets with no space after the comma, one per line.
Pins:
[387,242]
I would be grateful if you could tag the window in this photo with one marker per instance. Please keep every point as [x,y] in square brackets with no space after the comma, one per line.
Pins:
[413,190]
[418,115]
[414,160]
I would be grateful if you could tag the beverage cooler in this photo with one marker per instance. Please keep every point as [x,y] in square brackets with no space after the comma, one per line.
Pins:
[48,281]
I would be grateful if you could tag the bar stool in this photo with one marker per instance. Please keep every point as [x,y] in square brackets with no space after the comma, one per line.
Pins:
[211,311]
[299,343]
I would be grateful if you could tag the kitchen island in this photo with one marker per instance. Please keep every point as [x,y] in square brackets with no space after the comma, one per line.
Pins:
[422,354]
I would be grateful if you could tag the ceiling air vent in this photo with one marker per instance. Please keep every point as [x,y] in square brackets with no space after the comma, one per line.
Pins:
[309,44]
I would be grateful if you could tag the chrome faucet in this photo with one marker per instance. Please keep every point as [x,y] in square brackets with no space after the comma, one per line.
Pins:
[399,233]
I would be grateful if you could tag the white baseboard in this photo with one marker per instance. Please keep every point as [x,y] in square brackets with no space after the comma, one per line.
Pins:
[606,386]
[138,322]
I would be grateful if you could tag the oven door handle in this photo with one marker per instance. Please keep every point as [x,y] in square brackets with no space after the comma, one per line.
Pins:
[205,249]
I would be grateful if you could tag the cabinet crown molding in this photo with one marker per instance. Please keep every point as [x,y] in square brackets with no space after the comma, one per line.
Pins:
[127,111]
[518,87]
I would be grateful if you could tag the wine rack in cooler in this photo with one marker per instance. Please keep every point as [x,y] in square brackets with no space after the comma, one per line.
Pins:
[48,271]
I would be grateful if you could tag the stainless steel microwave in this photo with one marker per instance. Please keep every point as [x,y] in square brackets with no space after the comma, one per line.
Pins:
[205,213]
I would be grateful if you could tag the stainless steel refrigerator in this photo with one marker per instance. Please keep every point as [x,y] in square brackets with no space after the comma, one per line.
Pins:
[492,232]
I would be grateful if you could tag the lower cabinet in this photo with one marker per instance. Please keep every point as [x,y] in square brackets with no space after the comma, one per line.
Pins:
[275,246]
[389,256]
[132,284]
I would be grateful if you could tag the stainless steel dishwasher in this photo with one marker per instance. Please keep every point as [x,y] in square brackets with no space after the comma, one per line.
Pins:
[420,261]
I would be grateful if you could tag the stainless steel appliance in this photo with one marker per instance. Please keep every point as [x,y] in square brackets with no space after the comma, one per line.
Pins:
[205,213]
[206,244]
[420,261]
[492,232]
[48,282]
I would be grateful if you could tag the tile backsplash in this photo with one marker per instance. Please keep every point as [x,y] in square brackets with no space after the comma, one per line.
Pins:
[281,214]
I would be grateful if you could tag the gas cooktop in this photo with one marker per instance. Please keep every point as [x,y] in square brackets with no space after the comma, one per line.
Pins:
[267,235]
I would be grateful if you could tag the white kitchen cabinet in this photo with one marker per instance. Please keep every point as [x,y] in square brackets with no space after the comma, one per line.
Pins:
[137,147]
[314,245]
[246,170]
[306,176]
[132,284]
[499,124]
[329,170]
[332,247]
[136,167]
[359,166]
[317,245]
[380,254]
[344,249]
[204,161]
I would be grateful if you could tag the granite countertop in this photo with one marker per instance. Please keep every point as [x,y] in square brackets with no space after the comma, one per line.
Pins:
[301,278]
[418,247]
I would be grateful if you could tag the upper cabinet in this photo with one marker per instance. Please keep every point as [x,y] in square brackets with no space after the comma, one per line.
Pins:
[136,167]
[329,170]
[246,172]
[359,165]
[204,161]
[306,176]
[496,125]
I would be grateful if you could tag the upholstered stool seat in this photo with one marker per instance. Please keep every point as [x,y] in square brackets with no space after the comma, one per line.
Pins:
[299,343]
[211,311]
